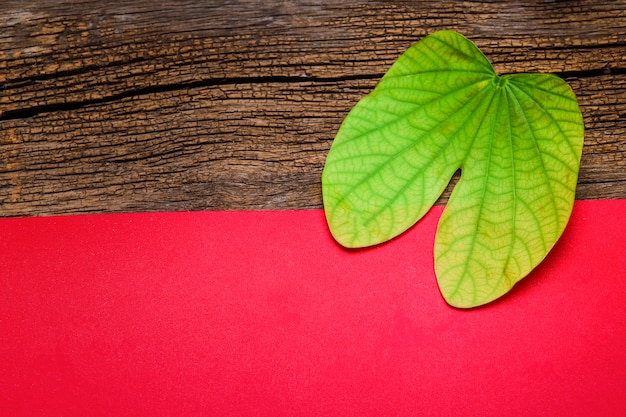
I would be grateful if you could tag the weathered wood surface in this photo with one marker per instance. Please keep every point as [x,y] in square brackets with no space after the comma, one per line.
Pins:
[112,106]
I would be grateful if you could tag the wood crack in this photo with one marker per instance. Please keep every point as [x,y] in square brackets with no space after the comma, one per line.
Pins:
[592,73]
[28,112]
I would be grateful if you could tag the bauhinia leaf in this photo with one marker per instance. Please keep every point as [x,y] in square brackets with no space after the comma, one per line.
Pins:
[441,107]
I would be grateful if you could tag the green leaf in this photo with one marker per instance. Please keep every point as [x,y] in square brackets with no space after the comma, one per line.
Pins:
[441,107]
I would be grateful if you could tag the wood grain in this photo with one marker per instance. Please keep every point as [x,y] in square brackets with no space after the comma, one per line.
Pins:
[196,105]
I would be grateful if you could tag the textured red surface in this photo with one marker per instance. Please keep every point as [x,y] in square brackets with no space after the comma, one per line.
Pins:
[262,314]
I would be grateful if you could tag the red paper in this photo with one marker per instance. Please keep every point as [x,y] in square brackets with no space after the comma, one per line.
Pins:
[263,314]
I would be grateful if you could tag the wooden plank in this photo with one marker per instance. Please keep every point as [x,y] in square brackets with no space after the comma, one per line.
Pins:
[233,105]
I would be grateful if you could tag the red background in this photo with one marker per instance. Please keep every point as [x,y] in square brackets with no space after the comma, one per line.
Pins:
[263,314]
